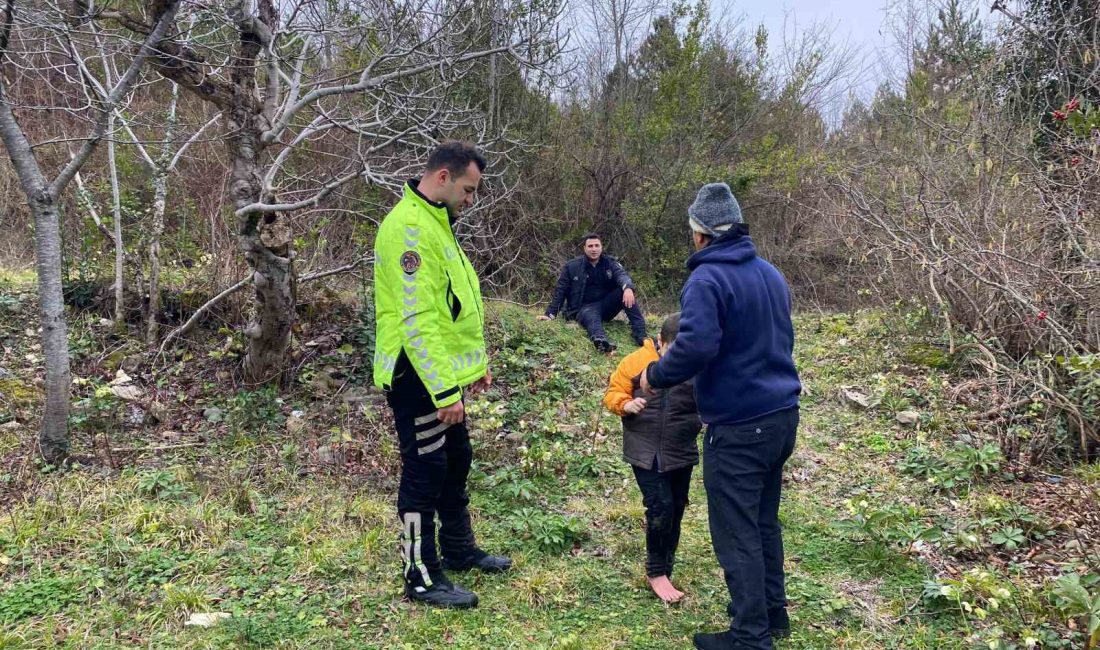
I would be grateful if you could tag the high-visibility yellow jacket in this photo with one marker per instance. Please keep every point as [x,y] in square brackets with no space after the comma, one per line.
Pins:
[427,300]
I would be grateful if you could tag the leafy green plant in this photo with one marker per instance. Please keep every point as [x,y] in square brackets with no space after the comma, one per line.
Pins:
[1078,597]
[82,340]
[967,538]
[255,411]
[587,466]
[1012,525]
[97,411]
[549,532]
[9,303]
[887,523]
[160,484]
[40,595]
[1084,383]
[974,595]
[836,605]
[1011,538]
[958,468]
[512,483]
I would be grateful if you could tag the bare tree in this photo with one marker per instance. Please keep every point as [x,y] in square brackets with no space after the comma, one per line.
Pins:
[26,36]
[317,95]
[622,22]
[990,217]
[173,144]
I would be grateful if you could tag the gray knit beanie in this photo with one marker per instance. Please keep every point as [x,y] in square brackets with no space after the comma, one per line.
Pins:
[714,211]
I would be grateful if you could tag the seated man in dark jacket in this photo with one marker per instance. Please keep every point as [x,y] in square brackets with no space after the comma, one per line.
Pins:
[594,288]
[736,339]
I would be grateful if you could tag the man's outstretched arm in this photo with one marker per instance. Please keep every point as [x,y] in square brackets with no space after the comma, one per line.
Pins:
[560,289]
[701,324]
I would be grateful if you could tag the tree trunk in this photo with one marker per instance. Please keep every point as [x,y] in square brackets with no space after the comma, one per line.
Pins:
[53,438]
[116,215]
[265,239]
[276,286]
[42,198]
[161,168]
[156,230]
[267,242]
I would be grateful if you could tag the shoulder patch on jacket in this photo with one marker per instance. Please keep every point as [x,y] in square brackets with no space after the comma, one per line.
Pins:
[410,261]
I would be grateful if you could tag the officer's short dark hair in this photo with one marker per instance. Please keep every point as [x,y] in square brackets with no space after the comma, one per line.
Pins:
[670,328]
[591,235]
[456,156]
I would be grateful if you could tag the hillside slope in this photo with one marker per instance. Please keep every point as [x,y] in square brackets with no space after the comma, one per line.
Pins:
[278,509]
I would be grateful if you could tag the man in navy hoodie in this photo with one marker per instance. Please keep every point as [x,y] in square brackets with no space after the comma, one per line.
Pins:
[736,339]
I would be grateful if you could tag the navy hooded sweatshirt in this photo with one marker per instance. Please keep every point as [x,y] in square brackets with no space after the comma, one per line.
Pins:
[736,336]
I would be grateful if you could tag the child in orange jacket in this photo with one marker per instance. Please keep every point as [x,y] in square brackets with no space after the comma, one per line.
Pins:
[660,436]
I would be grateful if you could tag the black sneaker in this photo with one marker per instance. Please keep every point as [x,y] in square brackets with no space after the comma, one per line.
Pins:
[714,641]
[779,622]
[604,346]
[442,594]
[479,560]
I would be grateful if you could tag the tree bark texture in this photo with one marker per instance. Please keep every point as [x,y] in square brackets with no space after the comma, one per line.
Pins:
[265,239]
[53,436]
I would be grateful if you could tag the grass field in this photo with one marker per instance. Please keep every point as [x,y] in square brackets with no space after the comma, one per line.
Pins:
[286,521]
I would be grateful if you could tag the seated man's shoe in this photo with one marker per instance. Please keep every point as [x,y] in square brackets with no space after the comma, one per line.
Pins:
[779,622]
[442,594]
[479,560]
[604,346]
[715,641]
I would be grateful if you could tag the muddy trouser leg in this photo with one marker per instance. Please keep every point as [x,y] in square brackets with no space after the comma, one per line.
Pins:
[680,483]
[659,515]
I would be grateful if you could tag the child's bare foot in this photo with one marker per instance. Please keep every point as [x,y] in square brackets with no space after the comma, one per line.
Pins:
[664,589]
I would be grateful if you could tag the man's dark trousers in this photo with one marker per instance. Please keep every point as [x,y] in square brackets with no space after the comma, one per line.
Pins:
[435,463]
[743,476]
[592,315]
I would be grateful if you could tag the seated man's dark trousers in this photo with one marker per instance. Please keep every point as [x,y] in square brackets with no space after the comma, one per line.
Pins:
[592,316]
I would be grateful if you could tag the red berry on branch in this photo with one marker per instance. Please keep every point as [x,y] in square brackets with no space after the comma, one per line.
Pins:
[1076,160]
[1073,105]
[1042,315]
[1059,116]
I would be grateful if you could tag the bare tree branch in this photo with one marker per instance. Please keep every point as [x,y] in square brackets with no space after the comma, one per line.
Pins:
[108,102]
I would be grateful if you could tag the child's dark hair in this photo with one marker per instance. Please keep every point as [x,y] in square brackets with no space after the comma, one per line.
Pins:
[670,328]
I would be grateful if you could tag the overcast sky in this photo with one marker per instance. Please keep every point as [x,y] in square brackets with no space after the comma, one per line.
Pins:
[871,26]
[860,21]
[876,35]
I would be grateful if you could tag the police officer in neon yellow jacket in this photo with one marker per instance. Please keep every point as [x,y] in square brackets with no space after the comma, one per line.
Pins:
[430,346]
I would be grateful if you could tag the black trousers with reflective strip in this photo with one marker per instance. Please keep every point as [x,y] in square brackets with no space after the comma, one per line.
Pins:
[435,463]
